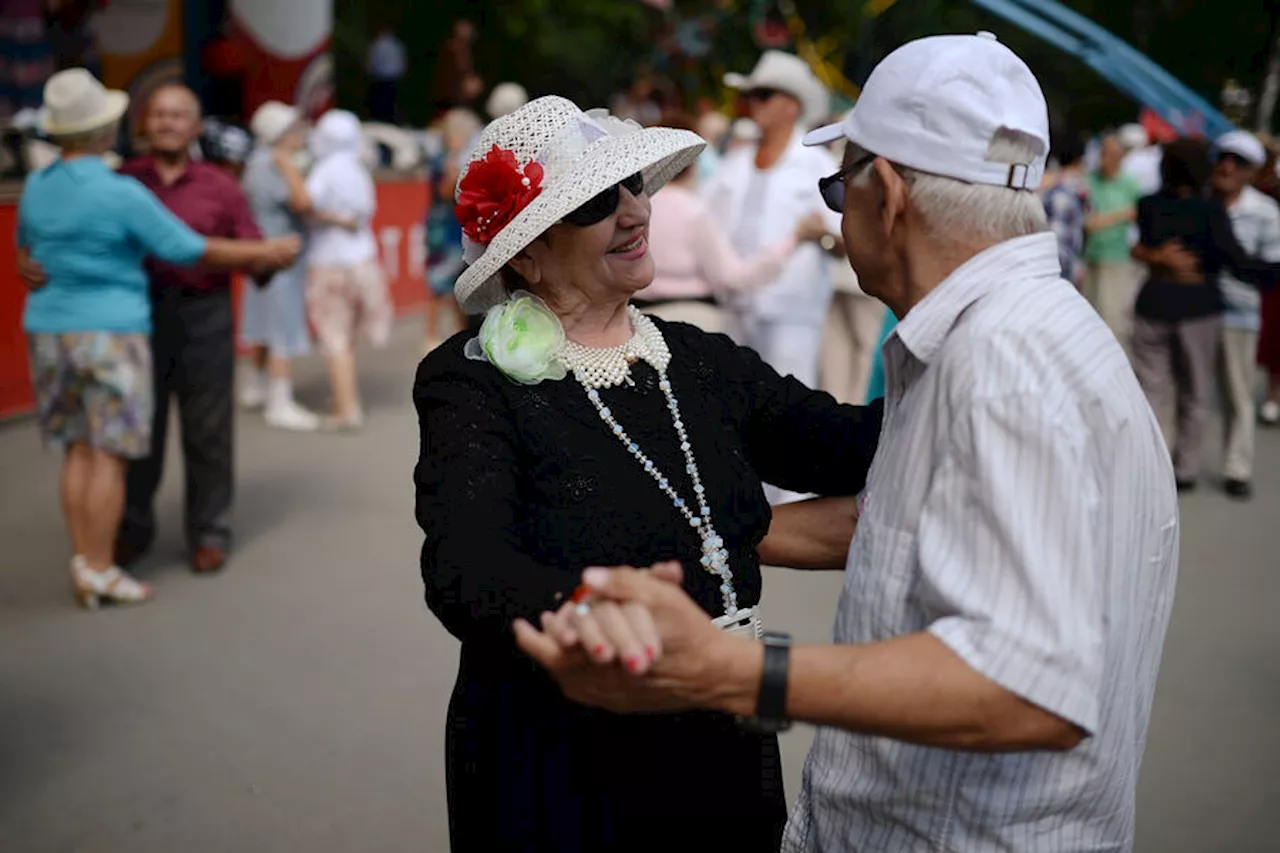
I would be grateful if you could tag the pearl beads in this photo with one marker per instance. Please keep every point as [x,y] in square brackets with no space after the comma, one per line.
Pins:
[606,368]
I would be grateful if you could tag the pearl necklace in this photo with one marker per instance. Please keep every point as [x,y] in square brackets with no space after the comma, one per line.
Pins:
[605,368]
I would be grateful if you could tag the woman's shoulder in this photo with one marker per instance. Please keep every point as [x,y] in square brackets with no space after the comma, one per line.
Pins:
[714,348]
[448,372]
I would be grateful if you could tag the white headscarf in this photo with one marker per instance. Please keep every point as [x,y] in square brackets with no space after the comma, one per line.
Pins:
[346,186]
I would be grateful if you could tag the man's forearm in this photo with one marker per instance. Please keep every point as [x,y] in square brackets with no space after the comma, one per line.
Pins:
[911,688]
[812,534]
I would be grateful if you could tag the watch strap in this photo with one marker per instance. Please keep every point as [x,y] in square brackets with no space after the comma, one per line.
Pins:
[771,706]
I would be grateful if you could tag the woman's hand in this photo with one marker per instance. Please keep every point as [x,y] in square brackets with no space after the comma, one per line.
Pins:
[609,632]
[811,229]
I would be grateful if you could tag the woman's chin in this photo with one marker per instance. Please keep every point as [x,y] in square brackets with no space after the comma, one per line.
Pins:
[632,276]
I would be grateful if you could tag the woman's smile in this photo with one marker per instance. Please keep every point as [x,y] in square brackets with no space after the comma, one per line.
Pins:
[634,248]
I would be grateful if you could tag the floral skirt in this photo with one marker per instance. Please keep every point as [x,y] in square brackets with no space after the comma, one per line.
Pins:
[345,301]
[96,388]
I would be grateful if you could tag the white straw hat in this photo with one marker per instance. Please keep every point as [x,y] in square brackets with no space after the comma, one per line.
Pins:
[788,73]
[580,155]
[271,121]
[75,102]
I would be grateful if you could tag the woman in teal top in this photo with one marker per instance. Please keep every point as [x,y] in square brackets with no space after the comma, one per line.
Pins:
[88,315]
[875,385]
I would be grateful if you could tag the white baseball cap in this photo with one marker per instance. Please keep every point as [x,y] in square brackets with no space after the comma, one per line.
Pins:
[936,104]
[272,120]
[1244,145]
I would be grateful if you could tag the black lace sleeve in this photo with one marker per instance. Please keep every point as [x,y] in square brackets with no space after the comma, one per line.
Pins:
[798,439]
[477,576]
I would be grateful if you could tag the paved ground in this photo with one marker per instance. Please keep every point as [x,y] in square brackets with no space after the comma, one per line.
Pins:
[296,703]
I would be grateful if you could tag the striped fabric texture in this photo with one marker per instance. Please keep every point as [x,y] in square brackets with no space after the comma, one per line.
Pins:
[1021,508]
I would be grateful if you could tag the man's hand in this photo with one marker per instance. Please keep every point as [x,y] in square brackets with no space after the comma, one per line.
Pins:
[280,252]
[30,271]
[691,671]
[1184,265]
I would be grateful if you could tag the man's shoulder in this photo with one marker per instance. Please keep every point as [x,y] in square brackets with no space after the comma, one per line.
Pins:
[1260,203]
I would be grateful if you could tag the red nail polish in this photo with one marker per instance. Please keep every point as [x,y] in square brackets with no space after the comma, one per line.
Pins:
[651,652]
[598,651]
[633,664]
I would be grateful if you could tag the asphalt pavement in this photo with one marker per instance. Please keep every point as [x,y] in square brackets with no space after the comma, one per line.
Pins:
[296,702]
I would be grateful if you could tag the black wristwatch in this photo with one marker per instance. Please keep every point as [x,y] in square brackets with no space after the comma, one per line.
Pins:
[771,707]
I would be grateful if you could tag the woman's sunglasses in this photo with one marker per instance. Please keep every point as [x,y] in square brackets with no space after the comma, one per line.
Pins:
[603,205]
[832,186]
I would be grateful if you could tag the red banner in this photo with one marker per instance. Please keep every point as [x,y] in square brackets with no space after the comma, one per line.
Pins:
[399,228]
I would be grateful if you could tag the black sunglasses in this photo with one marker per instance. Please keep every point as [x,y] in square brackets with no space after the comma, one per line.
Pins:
[832,186]
[603,205]
[762,94]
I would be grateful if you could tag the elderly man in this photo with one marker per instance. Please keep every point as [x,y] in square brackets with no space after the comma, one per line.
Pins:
[1010,583]
[1255,220]
[192,339]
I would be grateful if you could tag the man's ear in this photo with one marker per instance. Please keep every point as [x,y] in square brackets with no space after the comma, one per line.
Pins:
[893,194]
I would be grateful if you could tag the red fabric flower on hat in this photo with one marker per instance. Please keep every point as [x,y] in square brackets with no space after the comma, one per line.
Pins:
[494,190]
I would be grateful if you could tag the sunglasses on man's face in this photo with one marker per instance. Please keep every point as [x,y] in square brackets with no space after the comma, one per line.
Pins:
[603,205]
[832,186]
[760,95]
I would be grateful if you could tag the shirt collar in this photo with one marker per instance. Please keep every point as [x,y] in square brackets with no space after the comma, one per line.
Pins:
[1022,259]
[147,167]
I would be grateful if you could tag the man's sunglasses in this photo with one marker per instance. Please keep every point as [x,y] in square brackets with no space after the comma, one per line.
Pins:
[762,94]
[603,205]
[832,186]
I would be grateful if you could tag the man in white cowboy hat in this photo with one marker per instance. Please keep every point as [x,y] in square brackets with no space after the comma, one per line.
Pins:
[763,191]
[1010,582]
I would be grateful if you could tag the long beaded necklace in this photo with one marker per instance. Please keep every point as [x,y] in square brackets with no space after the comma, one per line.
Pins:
[606,368]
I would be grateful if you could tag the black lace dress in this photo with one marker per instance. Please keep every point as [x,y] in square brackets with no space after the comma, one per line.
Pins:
[519,488]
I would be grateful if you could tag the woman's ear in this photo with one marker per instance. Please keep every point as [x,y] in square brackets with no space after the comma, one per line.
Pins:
[527,268]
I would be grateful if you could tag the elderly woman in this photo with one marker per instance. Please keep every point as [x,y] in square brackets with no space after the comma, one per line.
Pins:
[273,317]
[346,290]
[88,317]
[575,431]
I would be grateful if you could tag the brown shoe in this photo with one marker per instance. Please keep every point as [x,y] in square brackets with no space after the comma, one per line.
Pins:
[207,559]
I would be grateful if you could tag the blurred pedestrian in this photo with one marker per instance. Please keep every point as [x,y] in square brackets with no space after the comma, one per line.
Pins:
[444,235]
[1111,282]
[1187,241]
[83,232]
[1066,203]
[346,288]
[760,194]
[694,262]
[1255,221]
[456,82]
[386,66]
[273,316]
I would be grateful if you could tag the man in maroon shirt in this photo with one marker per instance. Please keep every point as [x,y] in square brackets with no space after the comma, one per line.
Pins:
[192,338]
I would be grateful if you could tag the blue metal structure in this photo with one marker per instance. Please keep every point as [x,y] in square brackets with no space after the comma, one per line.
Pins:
[1115,60]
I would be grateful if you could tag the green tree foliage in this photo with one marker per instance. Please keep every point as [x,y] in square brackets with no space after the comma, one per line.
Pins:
[589,49]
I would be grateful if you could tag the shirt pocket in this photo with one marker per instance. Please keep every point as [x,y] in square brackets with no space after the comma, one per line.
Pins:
[879,585]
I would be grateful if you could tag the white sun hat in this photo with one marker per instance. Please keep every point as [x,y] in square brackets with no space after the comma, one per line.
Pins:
[788,73]
[580,155]
[75,102]
[1244,145]
[505,99]
[936,104]
[273,120]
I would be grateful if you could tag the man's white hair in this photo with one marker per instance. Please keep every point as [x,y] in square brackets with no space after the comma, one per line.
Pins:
[956,211]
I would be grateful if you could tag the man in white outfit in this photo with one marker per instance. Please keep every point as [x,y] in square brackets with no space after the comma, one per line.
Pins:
[762,192]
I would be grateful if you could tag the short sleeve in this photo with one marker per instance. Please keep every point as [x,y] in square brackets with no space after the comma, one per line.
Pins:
[477,577]
[1007,552]
[797,438]
[157,230]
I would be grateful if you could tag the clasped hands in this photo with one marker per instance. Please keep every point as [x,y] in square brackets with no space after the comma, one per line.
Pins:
[640,645]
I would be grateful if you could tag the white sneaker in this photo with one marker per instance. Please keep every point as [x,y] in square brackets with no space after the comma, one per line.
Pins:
[291,416]
[253,391]
[1269,414]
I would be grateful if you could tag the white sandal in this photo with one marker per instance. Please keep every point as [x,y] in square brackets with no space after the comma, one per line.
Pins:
[114,586]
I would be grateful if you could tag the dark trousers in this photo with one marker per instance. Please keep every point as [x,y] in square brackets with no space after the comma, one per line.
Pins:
[382,100]
[193,351]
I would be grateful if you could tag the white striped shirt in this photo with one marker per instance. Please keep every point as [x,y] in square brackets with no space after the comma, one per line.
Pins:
[1021,508]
